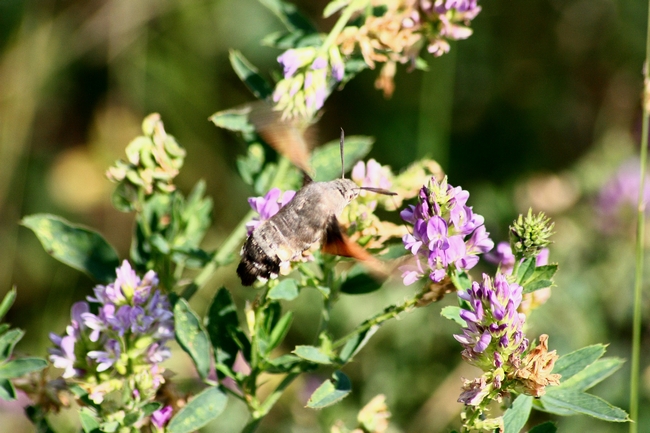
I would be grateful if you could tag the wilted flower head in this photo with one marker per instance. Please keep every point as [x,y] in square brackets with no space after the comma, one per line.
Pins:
[535,370]
[268,206]
[126,337]
[447,234]
[153,160]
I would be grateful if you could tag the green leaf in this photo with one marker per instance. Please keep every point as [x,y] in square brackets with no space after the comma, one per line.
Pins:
[334,6]
[526,270]
[200,410]
[592,374]
[326,159]
[7,342]
[251,164]
[74,245]
[289,15]
[331,391]
[223,328]
[7,390]
[7,302]
[124,197]
[547,427]
[516,416]
[286,289]
[89,422]
[312,354]
[280,331]
[249,75]
[561,401]
[234,119]
[452,312]
[358,282]
[192,337]
[285,40]
[109,427]
[461,280]
[578,360]
[355,343]
[284,363]
[21,366]
[541,278]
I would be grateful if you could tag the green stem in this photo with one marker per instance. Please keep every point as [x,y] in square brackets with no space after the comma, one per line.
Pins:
[640,229]
[234,240]
[350,9]
[388,313]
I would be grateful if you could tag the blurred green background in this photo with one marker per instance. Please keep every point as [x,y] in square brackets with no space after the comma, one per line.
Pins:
[537,109]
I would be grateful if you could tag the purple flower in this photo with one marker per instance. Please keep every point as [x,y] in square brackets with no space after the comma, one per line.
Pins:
[161,417]
[493,330]
[267,206]
[447,234]
[291,61]
[130,329]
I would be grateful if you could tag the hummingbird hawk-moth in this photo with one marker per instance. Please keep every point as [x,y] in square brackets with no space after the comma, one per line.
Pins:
[311,216]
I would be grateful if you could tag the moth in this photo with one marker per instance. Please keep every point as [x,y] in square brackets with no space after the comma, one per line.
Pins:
[310,217]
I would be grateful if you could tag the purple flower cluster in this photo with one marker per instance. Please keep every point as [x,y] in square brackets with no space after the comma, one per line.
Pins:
[132,325]
[305,85]
[493,335]
[453,16]
[267,206]
[447,234]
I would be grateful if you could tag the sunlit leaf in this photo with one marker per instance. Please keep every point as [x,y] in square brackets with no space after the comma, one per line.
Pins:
[452,312]
[312,354]
[571,363]
[286,289]
[192,337]
[199,411]
[74,245]
[21,366]
[8,341]
[331,391]
[355,343]
[289,15]
[592,374]
[514,419]
[563,402]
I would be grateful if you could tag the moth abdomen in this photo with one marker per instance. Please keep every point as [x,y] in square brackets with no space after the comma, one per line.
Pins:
[255,262]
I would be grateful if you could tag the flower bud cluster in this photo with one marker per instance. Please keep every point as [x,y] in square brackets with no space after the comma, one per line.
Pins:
[153,159]
[529,235]
[447,234]
[308,77]
[118,338]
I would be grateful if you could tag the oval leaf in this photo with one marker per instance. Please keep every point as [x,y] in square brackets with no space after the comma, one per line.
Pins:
[7,302]
[74,245]
[358,282]
[286,289]
[21,366]
[331,391]
[200,410]
[516,416]
[313,354]
[249,75]
[192,337]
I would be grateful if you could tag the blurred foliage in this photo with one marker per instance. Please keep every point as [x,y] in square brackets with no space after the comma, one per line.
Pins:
[538,108]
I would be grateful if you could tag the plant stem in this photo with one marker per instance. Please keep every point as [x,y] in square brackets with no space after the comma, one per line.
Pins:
[234,240]
[640,229]
[388,313]
[354,6]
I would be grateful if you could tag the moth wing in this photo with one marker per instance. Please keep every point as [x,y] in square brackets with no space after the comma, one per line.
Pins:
[287,137]
[338,243]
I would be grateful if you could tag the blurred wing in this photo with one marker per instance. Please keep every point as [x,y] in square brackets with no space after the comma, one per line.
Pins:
[337,243]
[287,137]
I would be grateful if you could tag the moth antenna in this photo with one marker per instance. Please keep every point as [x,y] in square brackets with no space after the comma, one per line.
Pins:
[342,159]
